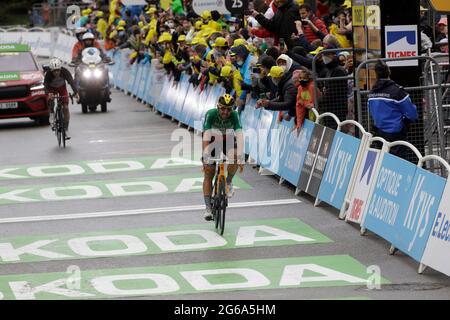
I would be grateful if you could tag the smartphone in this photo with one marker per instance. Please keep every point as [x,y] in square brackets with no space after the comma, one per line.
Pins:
[282,44]
[304,23]
[256,70]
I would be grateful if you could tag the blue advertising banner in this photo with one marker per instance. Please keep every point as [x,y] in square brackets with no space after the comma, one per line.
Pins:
[418,212]
[339,168]
[392,188]
[293,155]
[132,78]
[266,122]
[180,98]
[143,83]
[161,105]
[137,79]
[276,144]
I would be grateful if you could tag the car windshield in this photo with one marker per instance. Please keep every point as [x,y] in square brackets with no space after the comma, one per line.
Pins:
[16,62]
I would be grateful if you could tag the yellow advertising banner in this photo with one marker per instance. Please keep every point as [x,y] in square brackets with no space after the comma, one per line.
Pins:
[358,15]
[441,5]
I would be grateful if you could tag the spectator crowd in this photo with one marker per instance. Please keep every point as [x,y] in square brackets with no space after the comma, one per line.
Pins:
[266,55]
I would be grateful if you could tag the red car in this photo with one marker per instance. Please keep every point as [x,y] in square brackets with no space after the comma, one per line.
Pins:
[22,91]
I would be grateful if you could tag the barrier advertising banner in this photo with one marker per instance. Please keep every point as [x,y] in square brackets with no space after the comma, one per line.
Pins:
[339,168]
[437,251]
[294,156]
[365,178]
[392,188]
[266,121]
[311,154]
[418,212]
[277,144]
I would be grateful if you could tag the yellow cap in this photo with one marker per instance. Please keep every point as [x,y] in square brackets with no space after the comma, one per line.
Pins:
[239,41]
[276,72]
[151,10]
[122,23]
[300,2]
[89,10]
[198,25]
[220,42]
[181,38]
[225,71]
[113,34]
[206,15]
[165,37]
[99,14]
[85,12]
[316,51]
[206,33]
[120,28]
[347,4]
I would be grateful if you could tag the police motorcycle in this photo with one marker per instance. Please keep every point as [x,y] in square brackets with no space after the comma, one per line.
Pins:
[92,78]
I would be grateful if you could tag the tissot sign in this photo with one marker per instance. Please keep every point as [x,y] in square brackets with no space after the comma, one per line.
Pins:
[201,5]
[401,41]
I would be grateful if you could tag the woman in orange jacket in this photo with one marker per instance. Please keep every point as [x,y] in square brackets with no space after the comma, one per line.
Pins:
[305,96]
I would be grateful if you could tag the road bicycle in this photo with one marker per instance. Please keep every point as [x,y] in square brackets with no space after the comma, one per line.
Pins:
[59,126]
[219,198]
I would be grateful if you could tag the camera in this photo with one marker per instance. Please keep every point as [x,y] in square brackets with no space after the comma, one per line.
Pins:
[256,70]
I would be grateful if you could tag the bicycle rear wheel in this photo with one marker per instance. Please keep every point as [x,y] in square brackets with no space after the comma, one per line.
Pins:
[222,205]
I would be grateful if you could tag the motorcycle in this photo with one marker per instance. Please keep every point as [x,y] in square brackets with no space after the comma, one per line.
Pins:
[92,78]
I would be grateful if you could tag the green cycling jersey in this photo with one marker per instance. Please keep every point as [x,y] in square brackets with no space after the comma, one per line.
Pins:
[214,121]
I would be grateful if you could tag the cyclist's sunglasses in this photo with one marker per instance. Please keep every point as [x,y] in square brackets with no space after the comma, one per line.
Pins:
[224,108]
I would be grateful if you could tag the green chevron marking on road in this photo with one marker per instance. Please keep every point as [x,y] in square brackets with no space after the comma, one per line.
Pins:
[294,272]
[94,167]
[108,189]
[119,243]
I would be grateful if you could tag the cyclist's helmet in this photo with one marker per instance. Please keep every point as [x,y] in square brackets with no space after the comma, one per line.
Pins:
[226,101]
[55,64]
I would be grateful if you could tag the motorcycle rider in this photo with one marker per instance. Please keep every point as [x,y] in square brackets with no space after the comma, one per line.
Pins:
[79,46]
[89,42]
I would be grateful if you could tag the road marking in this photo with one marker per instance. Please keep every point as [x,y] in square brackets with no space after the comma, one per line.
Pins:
[144,211]
[159,240]
[216,276]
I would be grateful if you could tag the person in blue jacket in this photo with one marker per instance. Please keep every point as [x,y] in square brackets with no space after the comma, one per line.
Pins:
[243,62]
[391,109]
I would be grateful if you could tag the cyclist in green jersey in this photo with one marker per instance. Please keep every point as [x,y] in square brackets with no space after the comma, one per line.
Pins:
[222,132]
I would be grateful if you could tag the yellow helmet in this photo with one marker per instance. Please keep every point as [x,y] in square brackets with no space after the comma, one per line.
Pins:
[181,38]
[206,15]
[226,101]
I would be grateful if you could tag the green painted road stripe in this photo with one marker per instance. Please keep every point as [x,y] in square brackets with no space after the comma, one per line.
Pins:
[108,189]
[94,167]
[295,272]
[117,243]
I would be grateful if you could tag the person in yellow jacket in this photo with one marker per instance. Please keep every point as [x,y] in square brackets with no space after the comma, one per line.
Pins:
[216,58]
[231,79]
[114,11]
[165,41]
[208,22]
[102,25]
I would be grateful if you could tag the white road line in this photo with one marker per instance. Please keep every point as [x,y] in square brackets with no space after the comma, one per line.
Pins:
[143,211]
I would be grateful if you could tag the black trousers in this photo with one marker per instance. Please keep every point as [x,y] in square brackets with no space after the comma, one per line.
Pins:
[399,151]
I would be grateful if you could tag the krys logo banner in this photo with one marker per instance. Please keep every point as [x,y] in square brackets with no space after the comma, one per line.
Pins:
[339,169]
[417,213]
[438,246]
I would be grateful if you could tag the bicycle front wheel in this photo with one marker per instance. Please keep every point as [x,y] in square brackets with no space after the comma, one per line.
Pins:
[62,126]
[222,205]
[57,128]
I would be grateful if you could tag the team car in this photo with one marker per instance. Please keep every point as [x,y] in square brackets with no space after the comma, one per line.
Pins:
[22,91]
